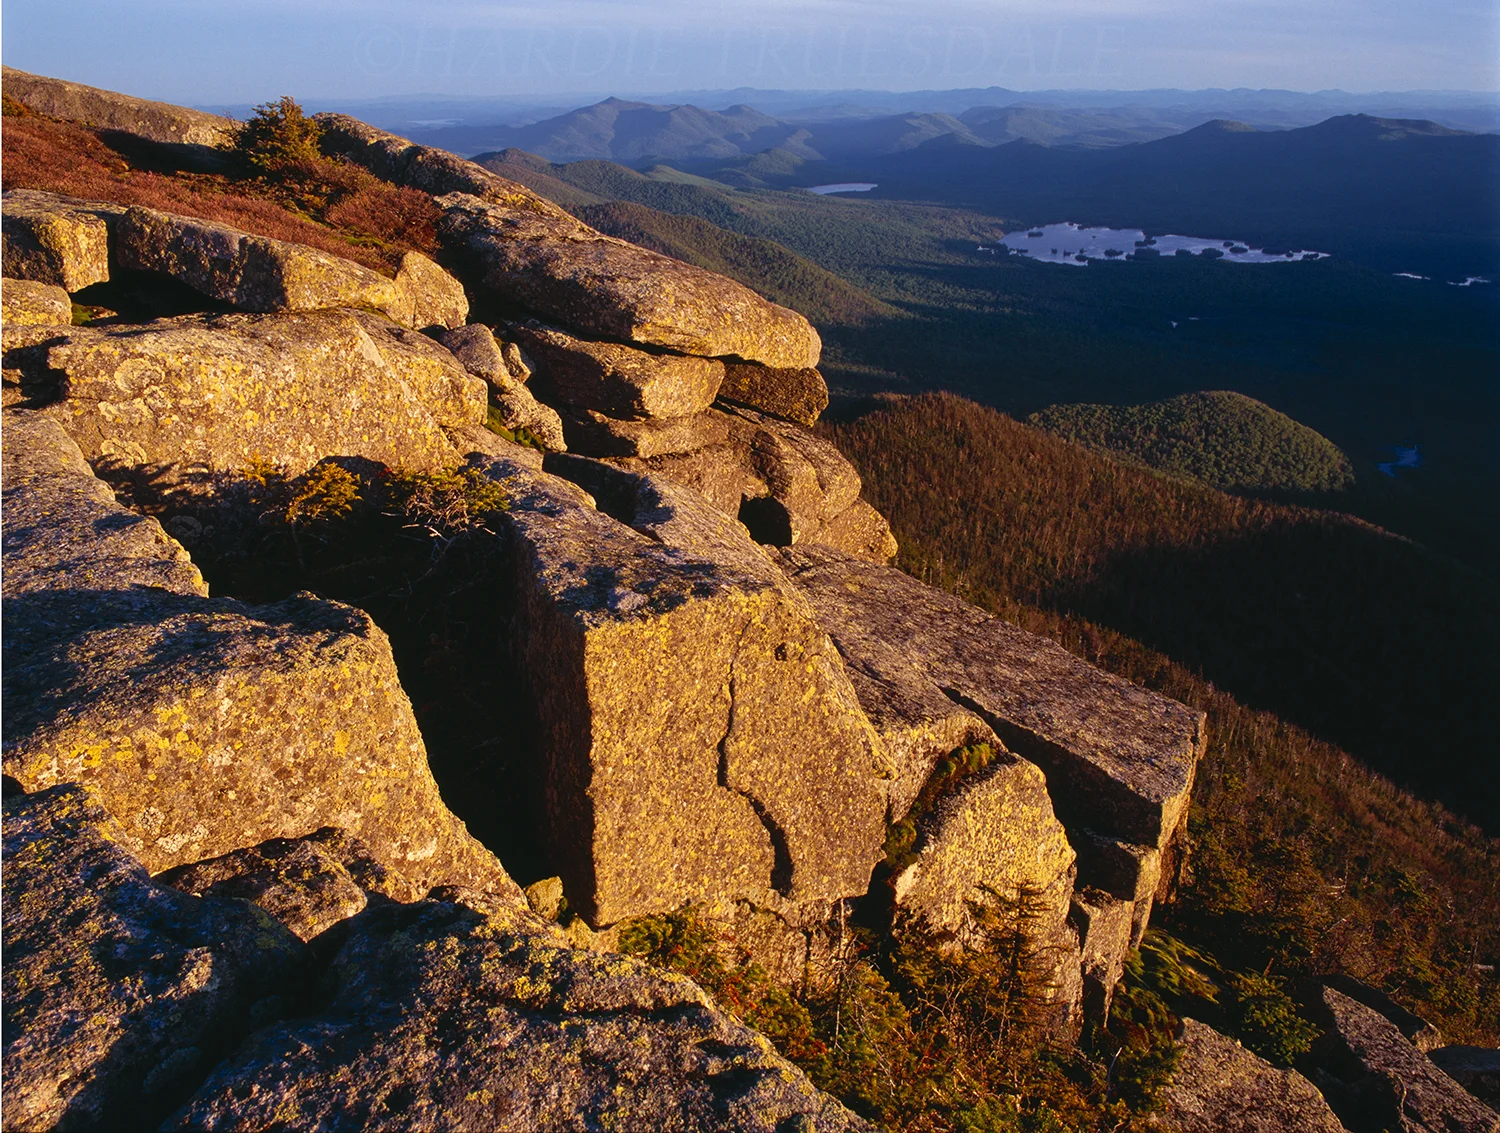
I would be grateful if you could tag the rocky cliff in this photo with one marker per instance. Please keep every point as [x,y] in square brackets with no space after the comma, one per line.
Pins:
[731,702]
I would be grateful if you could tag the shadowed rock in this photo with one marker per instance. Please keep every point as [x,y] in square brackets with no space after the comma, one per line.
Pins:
[1104,925]
[202,726]
[26,303]
[216,391]
[1118,759]
[1220,1087]
[1475,1068]
[803,490]
[308,884]
[475,347]
[56,240]
[444,1018]
[615,379]
[598,435]
[547,262]
[74,102]
[1376,1079]
[701,740]
[117,992]
[797,394]
[714,472]
[256,273]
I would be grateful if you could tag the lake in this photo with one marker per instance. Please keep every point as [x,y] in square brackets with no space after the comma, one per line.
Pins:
[1070,244]
[843,187]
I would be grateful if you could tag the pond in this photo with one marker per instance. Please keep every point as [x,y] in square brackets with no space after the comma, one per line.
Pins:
[1071,244]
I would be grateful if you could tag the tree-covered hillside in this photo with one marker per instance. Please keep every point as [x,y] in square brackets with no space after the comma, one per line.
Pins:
[1225,439]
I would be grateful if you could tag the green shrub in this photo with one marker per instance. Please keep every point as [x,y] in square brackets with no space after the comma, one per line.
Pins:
[277,138]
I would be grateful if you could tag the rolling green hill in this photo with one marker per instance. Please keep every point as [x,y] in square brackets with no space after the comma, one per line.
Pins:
[1224,439]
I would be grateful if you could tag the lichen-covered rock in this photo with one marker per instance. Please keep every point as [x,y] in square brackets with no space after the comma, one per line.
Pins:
[808,483]
[309,884]
[568,273]
[53,239]
[617,380]
[24,302]
[1122,869]
[858,530]
[1118,758]
[116,990]
[443,1018]
[700,737]
[475,347]
[519,409]
[427,168]
[201,725]
[917,724]
[1220,1087]
[994,839]
[250,273]
[1375,1079]
[1475,1068]
[217,391]
[797,394]
[107,109]
[64,529]
[453,396]
[426,295]
[595,434]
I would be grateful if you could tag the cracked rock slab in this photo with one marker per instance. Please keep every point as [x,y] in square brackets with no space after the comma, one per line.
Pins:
[1220,1087]
[593,284]
[201,725]
[700,737]
[596,434]
[1118,758]
[1376,1079]
[615,379]
[218,391]
[117,991]
[444,1018]
[451,395]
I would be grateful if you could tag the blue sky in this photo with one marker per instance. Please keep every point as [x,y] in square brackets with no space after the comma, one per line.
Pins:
[250,50]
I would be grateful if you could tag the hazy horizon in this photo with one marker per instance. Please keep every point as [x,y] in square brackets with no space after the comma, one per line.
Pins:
[238,52]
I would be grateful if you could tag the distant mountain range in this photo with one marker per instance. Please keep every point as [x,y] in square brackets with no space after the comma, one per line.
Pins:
[839,125]
[1418,191]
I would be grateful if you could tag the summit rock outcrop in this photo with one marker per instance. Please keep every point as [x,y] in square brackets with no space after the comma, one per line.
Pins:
[716,695]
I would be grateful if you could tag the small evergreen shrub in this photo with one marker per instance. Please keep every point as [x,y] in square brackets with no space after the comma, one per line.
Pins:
[276,138]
